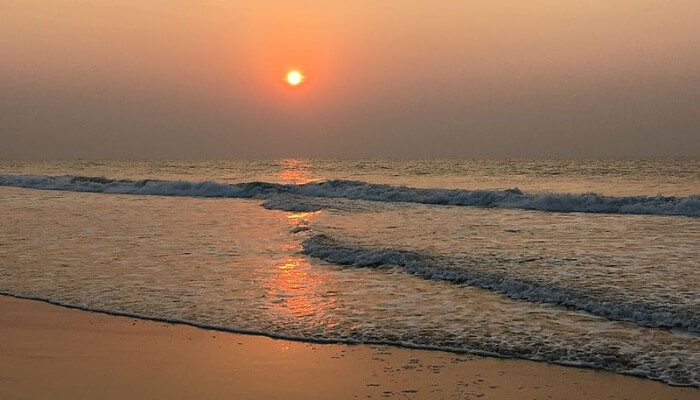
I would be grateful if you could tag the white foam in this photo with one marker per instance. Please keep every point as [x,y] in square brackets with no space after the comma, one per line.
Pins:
[679,375]
[439,268]
[355,190]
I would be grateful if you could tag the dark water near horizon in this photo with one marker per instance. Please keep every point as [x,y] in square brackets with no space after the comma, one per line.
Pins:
[577,262]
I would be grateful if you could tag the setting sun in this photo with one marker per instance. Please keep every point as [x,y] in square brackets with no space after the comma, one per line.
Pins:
[294,77]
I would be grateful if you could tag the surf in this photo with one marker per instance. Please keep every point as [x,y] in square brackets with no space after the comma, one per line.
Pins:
[356,190]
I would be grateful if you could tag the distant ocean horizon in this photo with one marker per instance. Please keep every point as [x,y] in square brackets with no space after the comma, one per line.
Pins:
[587,262]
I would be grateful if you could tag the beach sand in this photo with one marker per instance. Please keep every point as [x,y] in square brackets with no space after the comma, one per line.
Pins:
[51,352]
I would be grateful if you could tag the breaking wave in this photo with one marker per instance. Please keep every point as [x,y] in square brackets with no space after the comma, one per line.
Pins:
[460,271]
[356,190]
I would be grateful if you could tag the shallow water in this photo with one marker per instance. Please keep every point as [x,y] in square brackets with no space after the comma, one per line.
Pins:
[613,291]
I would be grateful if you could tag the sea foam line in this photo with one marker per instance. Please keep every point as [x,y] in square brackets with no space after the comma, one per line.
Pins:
[458,271]
[355,190]
[364,341]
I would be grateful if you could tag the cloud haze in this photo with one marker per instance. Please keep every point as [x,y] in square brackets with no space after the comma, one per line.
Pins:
[196,79]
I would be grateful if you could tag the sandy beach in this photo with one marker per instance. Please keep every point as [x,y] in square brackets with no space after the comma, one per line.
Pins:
[48,351]
[349,200]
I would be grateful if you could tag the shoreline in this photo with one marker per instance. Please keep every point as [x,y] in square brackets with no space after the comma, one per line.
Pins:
[49,350]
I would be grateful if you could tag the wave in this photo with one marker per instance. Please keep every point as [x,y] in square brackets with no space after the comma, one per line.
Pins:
[458,271]
[615,362]
[356,190]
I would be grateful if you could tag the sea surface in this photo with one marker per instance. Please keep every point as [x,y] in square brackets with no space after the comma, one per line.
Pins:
[590,263]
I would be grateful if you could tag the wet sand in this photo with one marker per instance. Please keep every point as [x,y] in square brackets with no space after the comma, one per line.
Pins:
[51,352]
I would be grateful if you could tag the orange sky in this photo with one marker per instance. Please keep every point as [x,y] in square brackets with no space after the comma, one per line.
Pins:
[504,78]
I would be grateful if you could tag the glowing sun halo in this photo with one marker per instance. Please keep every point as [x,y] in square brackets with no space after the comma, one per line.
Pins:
[294,77]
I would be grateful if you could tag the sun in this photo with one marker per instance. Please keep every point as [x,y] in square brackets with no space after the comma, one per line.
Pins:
[294,77]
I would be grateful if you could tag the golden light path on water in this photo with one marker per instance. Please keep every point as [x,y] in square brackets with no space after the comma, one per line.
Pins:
[296,171]
[296,291]
[234,264]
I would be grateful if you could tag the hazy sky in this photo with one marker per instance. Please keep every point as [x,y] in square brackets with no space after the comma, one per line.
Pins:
[390,78]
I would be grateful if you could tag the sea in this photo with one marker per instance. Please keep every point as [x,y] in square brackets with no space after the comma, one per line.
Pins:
[590,263]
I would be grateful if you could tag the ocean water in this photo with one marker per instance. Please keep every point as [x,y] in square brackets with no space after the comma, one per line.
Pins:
[578,262]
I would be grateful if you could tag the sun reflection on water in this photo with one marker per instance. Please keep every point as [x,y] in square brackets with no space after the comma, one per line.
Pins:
[296,292]
[296,171]
[294,289]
